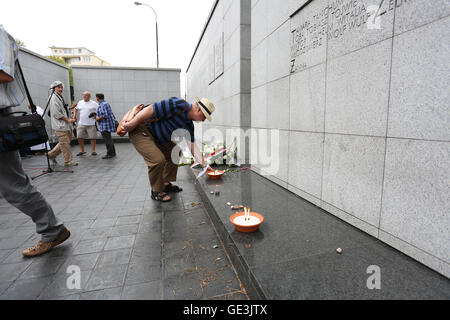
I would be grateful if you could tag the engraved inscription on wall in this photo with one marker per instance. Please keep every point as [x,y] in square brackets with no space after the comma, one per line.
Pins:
[322,21]
[216,60]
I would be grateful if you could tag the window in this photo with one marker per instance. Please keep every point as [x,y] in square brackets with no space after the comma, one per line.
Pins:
[80,50]
[87,59]
[75,60]
[67,51]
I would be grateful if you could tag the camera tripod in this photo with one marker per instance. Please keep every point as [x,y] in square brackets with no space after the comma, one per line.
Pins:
[49,168]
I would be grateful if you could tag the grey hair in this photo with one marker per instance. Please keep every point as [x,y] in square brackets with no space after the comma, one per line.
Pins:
[56,84]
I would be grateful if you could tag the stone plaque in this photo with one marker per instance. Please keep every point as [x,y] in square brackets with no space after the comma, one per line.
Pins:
[327,29]
[212,73]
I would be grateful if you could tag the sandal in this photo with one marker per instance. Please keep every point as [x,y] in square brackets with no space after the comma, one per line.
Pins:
[174,189]
[160,196]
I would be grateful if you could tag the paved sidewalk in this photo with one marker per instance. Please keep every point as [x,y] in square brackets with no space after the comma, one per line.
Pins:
[127,246]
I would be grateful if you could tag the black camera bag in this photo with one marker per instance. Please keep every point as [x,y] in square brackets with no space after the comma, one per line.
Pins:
[27,130]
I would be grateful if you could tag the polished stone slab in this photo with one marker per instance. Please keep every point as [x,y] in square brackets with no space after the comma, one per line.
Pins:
[294,254]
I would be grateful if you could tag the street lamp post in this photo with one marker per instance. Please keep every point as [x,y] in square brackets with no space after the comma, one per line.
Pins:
[157,36]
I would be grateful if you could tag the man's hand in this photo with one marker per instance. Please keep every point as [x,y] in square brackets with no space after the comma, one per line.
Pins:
[127,127]
[70,120]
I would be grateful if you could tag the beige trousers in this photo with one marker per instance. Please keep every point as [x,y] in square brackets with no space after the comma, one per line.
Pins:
[161,169]
[63,146]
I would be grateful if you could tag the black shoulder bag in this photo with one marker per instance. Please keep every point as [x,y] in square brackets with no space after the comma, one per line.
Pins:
[26,130]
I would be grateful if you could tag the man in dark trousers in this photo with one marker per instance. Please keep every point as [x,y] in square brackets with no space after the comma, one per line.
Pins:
[15,185]
[106,124]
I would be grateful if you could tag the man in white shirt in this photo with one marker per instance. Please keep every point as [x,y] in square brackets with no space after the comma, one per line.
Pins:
[86,124]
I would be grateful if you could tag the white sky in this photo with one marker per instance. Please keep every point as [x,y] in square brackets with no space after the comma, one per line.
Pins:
[116,30]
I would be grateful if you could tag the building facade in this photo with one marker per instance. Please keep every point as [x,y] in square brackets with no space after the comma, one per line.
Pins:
[78,56]
[358,92]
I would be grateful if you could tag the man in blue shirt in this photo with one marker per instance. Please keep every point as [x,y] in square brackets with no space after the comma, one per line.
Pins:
[106,124]
[152,130]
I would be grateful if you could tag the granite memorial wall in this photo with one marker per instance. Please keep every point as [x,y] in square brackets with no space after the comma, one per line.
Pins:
[359,92]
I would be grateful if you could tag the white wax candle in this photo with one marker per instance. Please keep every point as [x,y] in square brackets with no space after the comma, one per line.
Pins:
[250,221]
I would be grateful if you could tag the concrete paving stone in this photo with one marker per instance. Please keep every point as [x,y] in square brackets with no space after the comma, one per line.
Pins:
[29,289]
[126,230]
[80,224]
[89,246]
[107,277]
[16,256]
[177,249]
[120,242]
[175,234]
[66,249]
[142,272]
[13,242]
[114,258]
[213,259]
[237,296]
[147,239]
[144,291]
[10,272]
[70,298]
[182,288]
[4,286]
[218,282]
[43,268]
[97,233]
[4,253]
[152,217]
[105,294]
[58,287]
[102,223]
[84,261]
[127,220]
[150,254]
[150,227]
[179,266]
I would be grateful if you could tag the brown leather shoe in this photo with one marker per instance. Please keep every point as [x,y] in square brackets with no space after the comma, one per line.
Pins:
[43,247]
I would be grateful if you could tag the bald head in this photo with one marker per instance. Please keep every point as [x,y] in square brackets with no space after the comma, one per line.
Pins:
[87,96]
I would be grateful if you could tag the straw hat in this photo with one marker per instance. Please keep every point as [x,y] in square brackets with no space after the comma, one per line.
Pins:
[207,107]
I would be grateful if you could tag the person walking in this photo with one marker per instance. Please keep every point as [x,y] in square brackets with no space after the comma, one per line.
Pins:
[106,124]
[62,125]
[86,125]
[15,185]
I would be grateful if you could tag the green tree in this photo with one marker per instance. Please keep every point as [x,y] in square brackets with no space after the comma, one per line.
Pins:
[20,44]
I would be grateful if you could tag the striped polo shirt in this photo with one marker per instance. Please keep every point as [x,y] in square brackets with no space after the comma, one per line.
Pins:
[169,116]
[12,93]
